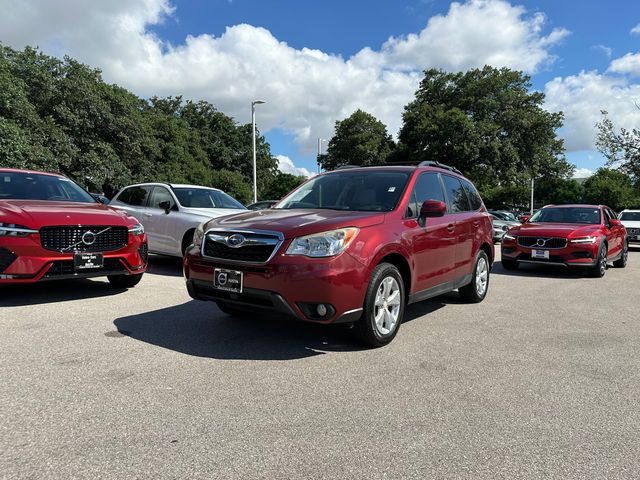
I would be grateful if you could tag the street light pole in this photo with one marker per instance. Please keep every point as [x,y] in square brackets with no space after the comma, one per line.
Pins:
[532,185]
[320,140]
[253,126]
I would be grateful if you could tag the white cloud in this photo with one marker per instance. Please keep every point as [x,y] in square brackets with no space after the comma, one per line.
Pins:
[629,63]
[582,173]
[635,30]
[608,51]
[307,90]
[286,165]
[582,97]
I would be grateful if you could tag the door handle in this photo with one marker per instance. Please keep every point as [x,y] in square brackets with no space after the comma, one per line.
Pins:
[148,215]
[450,227]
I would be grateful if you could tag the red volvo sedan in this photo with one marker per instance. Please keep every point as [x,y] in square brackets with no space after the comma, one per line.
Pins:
[587,236]
[52,229]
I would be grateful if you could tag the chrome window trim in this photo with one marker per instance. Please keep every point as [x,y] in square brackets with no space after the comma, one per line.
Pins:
[214,234]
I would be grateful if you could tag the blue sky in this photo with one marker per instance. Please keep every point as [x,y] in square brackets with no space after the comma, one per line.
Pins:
[316,62]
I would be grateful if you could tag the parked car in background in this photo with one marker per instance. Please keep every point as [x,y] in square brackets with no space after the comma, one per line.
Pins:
[100,198]
[500,227]
[587,236]
[350,246]
[631,220]
[506,216]
[262,205]
[170,213]
[52,229]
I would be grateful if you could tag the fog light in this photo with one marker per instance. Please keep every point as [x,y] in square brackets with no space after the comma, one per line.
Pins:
[321,309]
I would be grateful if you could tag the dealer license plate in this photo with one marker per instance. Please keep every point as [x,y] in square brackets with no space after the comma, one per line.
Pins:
[541,254]
[228,280]
[87,261]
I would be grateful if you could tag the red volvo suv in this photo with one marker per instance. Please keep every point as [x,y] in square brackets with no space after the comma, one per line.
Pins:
[52,229]
[587,236]
[350,246]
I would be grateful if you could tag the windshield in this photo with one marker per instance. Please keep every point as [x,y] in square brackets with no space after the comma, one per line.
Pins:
[34,186]
[586,215]
[205,198]
[631,216]
[358,191]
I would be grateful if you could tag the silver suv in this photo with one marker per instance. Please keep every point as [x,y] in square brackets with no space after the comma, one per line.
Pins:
[631,221]
[170,213]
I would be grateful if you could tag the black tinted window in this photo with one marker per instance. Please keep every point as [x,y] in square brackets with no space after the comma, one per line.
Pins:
[427,187]
[135,196]
[456,196]
[34,186]
[474,196]
[159,195]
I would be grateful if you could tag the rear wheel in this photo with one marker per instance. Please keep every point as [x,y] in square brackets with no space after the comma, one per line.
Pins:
[600,268]
[477,289]
[622,261]
[383,307]
[124,281]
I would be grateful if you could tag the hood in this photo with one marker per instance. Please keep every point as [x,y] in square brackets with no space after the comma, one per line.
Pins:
[35,213]
[212,212]
[297,222]
[563,230]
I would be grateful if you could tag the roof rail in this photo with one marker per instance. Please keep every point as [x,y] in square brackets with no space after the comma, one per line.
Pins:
[430,163]
[346,167]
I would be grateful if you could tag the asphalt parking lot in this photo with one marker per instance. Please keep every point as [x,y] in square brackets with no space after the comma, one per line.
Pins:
[539,381]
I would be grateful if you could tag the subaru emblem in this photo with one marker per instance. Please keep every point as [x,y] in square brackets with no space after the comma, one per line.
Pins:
[236,240]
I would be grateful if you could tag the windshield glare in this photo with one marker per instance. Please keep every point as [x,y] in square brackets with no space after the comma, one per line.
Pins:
[358,191]
[33,186]
[585,215]
[206,198]
[630,216]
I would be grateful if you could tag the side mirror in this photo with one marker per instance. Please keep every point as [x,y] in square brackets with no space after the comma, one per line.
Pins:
[614,222]
[431,208]
[166,206]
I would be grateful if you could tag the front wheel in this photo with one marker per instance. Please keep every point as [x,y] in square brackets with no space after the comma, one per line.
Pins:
[600,268]
[383,306]
[477,289]
[124,281]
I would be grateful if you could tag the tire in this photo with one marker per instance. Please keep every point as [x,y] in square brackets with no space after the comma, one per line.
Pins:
[124,281]
[600,268]
[384,300]
[509,264]
[186,241]
[477,289]
[622,261]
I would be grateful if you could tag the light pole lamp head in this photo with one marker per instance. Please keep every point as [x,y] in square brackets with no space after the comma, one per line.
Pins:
[258,102]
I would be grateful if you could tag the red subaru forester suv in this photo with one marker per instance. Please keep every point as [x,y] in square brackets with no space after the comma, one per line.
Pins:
[51,229]
[587,236]
[350,246]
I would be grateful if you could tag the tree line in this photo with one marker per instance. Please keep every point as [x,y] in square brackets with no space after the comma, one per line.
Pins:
[59,115]
[489,124]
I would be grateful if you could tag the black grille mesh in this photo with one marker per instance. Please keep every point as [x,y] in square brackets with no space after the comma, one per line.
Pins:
[144,252]
[60,239]
[249,253]
[65,267]
[6,259]
[549,242]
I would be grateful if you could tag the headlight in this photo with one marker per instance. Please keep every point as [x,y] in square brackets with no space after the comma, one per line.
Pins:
[137,229]
[508,236]
[325,244]
[13,230]
[198,235]
[583,240]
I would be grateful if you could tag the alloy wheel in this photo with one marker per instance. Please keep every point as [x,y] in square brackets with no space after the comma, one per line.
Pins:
[387,306]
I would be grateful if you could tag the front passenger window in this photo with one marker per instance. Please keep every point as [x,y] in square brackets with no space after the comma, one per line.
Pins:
[427,187]
[159,195]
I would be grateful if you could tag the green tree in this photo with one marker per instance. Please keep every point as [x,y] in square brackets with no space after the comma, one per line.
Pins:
[610,187]
[558,191]
[280,185]
[360,139]
[621,147]
[486,122]
[233,184]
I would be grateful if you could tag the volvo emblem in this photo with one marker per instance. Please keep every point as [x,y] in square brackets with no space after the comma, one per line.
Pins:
[89,238]
[236,240]
[540,242]
[222,278]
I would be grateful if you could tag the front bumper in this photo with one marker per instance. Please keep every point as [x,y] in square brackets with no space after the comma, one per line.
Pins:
[569,256]
[286,285]
[24,260]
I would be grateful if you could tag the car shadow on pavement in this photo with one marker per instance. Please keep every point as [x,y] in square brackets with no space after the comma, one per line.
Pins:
[200,329]
[51,292]
[542,271]
[164,265]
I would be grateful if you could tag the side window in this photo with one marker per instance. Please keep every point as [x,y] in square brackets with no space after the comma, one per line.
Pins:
[472,194]
[135,196]
[607,216]
[427,187]
[456,196]
[159,195]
